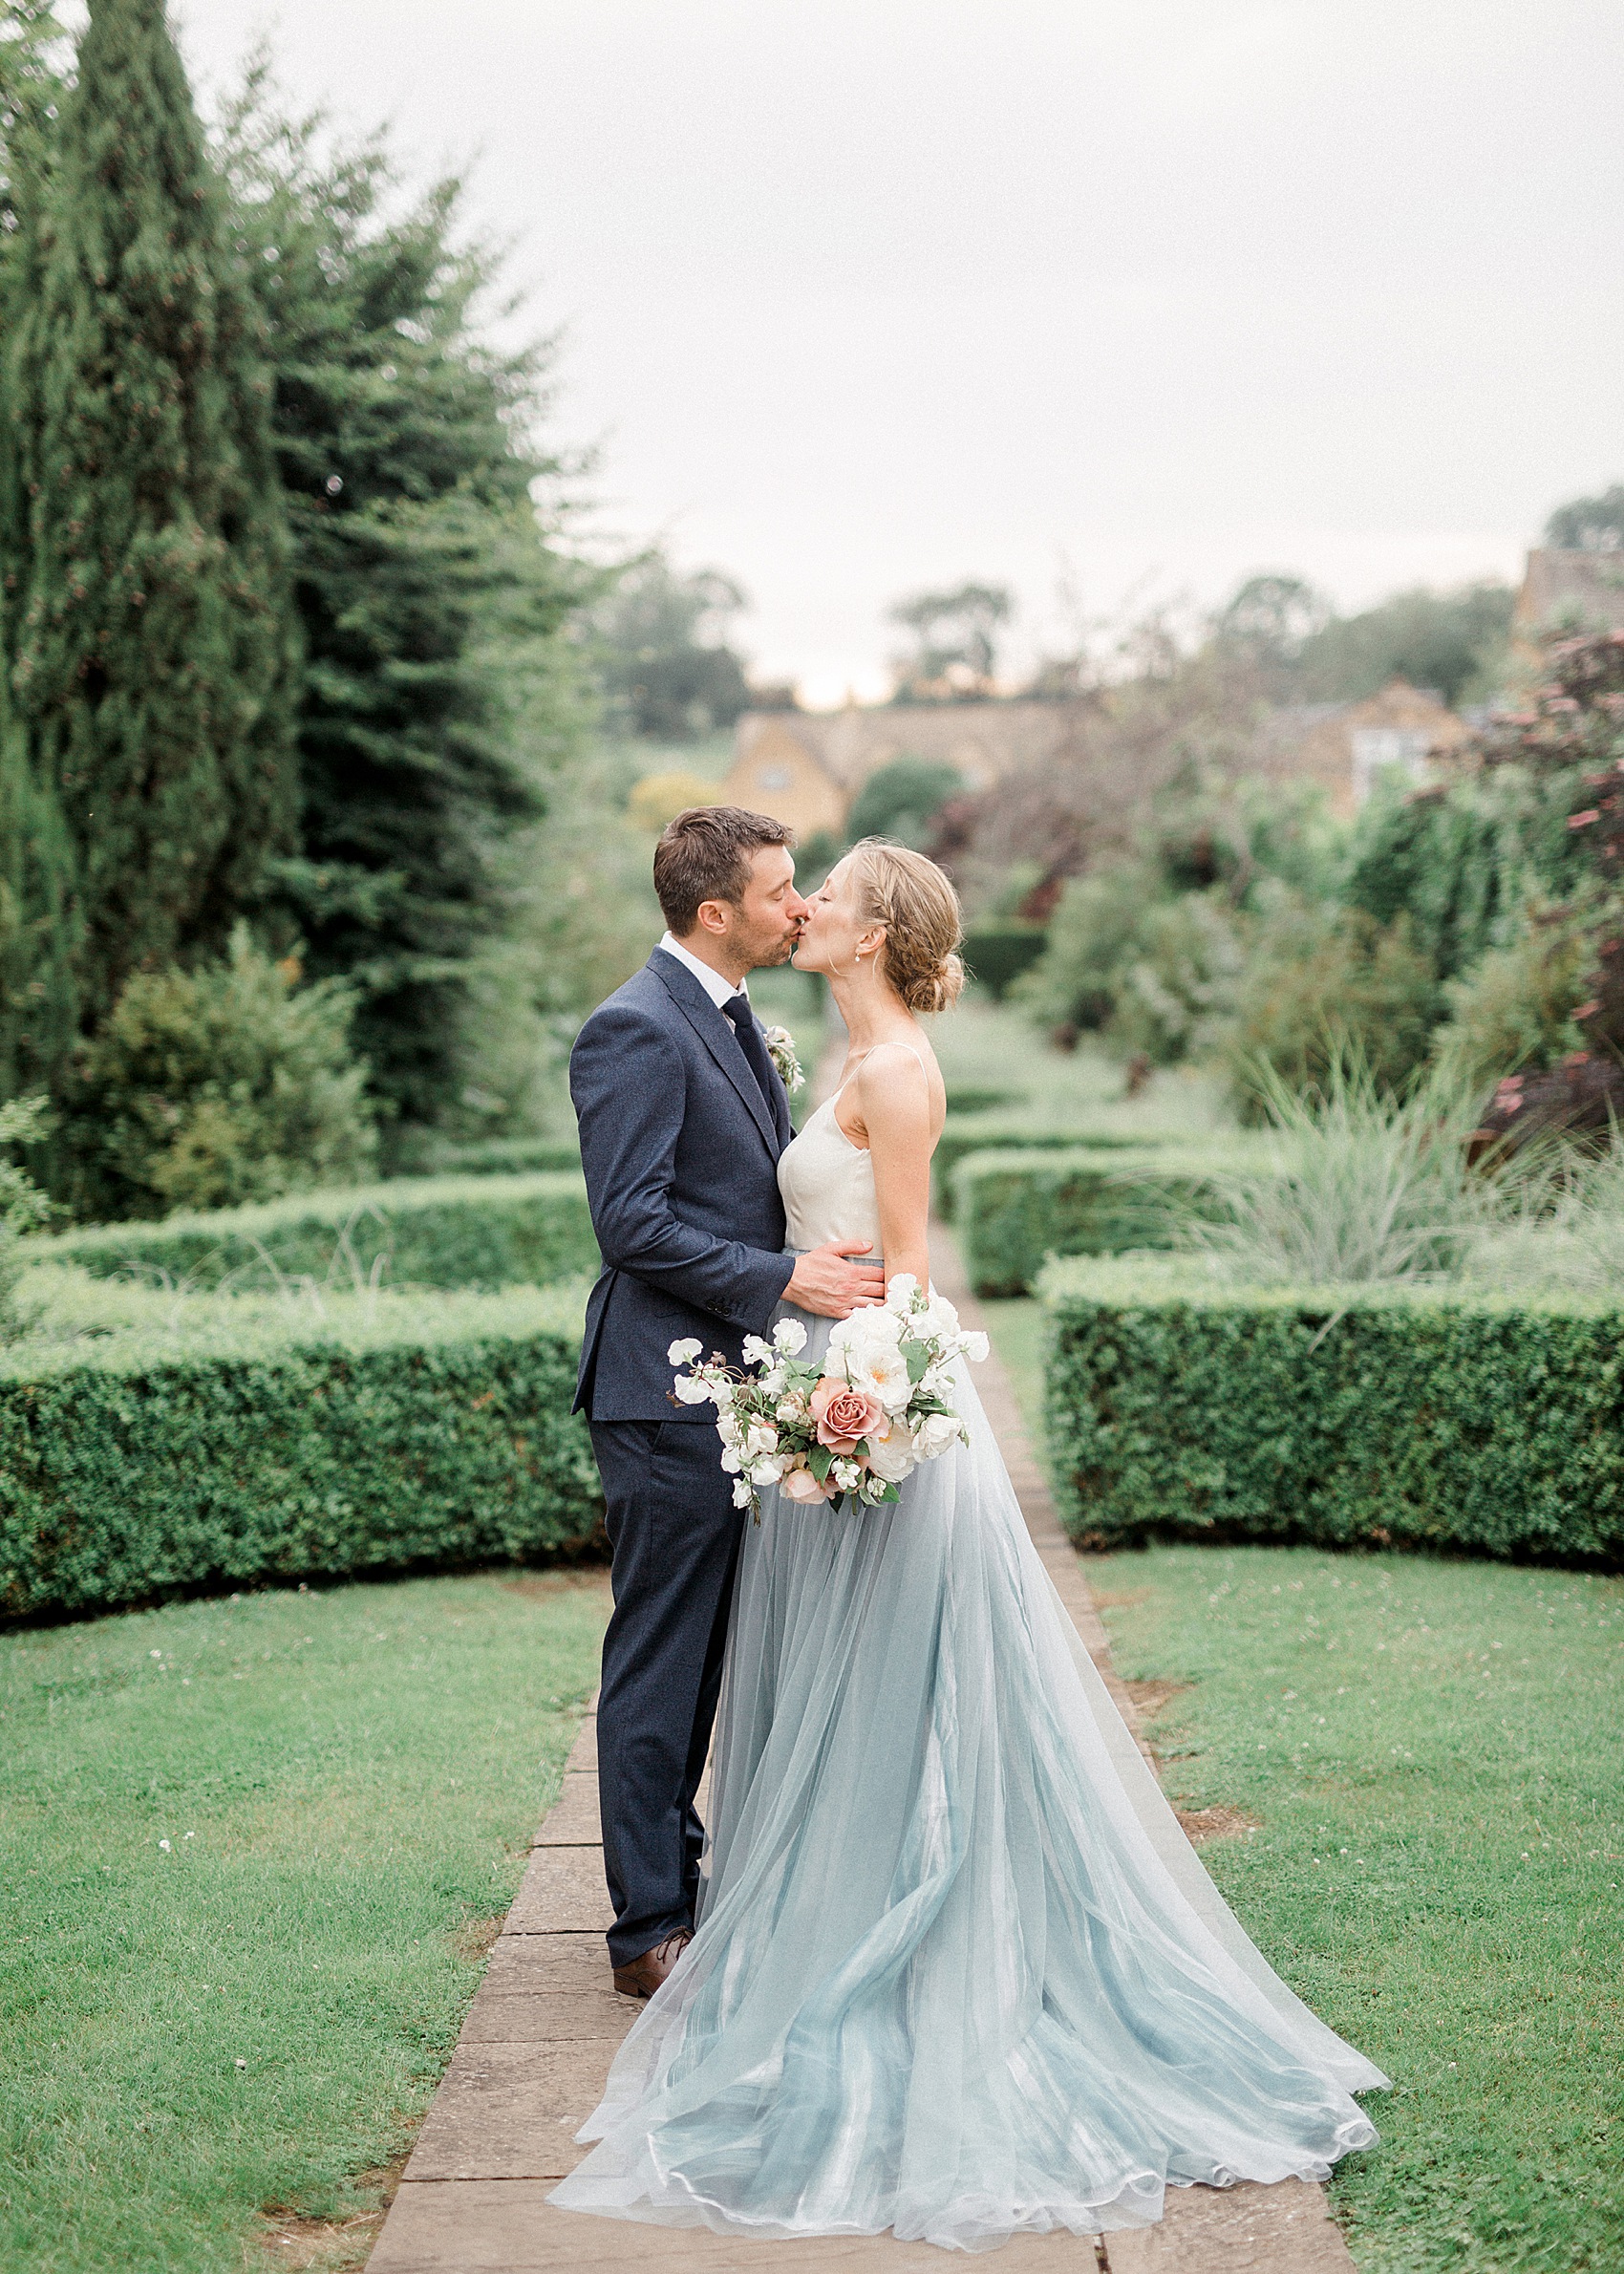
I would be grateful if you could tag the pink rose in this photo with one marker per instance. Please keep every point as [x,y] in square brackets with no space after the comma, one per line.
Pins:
[841,1414]
[800,1484]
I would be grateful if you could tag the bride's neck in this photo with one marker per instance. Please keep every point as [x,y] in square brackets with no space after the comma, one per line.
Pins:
[872,1013]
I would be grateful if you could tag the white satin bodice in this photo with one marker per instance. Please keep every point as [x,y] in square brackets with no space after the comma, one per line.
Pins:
[827,1185]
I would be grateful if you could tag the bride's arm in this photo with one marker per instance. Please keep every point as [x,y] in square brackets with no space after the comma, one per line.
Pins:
[894,1100]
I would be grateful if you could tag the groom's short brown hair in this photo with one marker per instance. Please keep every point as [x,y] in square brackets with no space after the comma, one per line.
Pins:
[704,854]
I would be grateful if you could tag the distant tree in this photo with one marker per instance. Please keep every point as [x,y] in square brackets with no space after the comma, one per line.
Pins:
[667,667]
[955,636]
[423,578]
[902,801]
[1453,642]
[1590,525]
[1271,618]
[148,638]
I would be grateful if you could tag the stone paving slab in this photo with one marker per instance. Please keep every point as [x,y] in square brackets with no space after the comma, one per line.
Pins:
[573,1822]
[562,1890]
[495,2227]
[1283,2229]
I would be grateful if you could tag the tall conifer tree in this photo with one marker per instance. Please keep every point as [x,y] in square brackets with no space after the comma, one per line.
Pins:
[150,643]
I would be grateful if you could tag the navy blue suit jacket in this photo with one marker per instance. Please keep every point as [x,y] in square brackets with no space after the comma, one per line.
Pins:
[681,1151]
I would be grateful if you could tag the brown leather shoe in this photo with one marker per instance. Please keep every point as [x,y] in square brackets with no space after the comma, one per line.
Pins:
[642,1977]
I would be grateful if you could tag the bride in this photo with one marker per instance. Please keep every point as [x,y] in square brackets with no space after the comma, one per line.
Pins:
[957,1973]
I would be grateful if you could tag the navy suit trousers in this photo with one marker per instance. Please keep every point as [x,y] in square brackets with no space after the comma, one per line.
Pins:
[676,1534]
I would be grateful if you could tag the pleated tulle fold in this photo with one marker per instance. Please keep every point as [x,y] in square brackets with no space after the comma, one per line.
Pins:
[958,1973]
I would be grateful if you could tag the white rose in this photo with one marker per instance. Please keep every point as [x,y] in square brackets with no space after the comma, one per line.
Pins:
[892,1455]
[790,1337]
[883,1375]
[685,1352]
[935,1433]
[756,1353]
[689,1390]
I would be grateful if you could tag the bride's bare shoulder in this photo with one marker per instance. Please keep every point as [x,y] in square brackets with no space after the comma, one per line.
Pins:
[901,1077]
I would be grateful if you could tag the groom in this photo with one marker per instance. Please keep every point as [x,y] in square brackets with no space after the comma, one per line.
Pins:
[683,1117]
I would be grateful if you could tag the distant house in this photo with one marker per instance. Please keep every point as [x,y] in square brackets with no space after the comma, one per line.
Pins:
[1348,746]
[1568,592]
[805,767]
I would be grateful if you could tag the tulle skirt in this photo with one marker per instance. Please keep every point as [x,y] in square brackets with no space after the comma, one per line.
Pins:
[958,1973]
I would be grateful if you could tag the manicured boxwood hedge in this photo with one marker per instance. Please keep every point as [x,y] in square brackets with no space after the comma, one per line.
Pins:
[505,1156]
[997,954]
[249,1442]
[432,1232]
[1345,1417]
[1014,1208]
[964,1132]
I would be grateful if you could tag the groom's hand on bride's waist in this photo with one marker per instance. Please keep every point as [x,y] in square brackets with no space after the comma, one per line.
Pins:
[831,1283]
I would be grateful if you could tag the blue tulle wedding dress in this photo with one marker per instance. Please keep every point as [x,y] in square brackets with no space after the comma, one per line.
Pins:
[958,1973]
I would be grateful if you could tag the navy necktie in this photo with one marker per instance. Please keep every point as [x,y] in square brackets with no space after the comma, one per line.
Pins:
[754,1049]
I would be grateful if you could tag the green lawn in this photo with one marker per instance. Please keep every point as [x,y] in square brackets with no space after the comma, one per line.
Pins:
[251,1853]
[1433,1753]
[987,1045]
[1434,1756]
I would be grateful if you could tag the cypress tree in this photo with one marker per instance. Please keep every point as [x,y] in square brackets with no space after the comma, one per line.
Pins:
[423,583]
[149,642]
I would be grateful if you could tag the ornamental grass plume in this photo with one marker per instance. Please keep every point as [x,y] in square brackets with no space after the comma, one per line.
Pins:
[1363,1186]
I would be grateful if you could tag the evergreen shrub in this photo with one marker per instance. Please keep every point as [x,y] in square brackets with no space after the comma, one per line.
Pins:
[264,1442]
[504,1156]
[488,1231]
[1432,1418]
[1015,1208]
[218,1087]
[996,955]
[964,1133]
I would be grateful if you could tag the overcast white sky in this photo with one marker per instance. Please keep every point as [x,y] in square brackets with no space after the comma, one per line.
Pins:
[865,294]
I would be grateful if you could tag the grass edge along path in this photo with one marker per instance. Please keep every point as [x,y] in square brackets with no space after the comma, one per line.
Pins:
[252,1850]
[1431,1752]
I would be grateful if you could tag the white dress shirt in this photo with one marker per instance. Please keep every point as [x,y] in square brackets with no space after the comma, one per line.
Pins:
[720,989]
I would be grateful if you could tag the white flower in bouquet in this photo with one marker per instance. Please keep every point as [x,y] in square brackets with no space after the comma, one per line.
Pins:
[900,1292]
[790,1409]
[883,1374]
[790,1337]
[975,1345]
[756,1353]
[685,1352]
[732,1464]
[847,1474]
[761,1437]
[893,1453]
[935,1433]
[743,1496]
[693,1390]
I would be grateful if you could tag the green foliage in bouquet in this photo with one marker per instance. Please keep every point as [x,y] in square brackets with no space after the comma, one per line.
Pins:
[217,1085]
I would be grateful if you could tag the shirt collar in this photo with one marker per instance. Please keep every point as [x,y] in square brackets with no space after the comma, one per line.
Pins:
[719,990]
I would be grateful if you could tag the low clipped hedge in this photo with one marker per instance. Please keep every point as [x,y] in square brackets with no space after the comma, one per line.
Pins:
[996,955]
[971,1132]
[244,1442]
[487,1232]
[1345,1417]
[505,1156]
[1014,1208]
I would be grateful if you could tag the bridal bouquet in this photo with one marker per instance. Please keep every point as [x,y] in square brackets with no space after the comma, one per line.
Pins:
[859,1423]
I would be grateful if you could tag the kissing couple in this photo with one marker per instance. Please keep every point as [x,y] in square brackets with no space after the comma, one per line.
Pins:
[943,1964]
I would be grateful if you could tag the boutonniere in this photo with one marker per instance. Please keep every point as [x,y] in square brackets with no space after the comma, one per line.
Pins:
[781,1049]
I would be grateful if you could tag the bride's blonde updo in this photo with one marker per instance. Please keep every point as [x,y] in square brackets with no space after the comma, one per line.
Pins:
[924,925]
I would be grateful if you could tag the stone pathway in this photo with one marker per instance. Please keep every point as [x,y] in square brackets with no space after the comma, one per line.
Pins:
[537,2044]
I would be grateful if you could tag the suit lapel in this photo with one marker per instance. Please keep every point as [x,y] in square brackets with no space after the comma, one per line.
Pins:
[714,1029]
